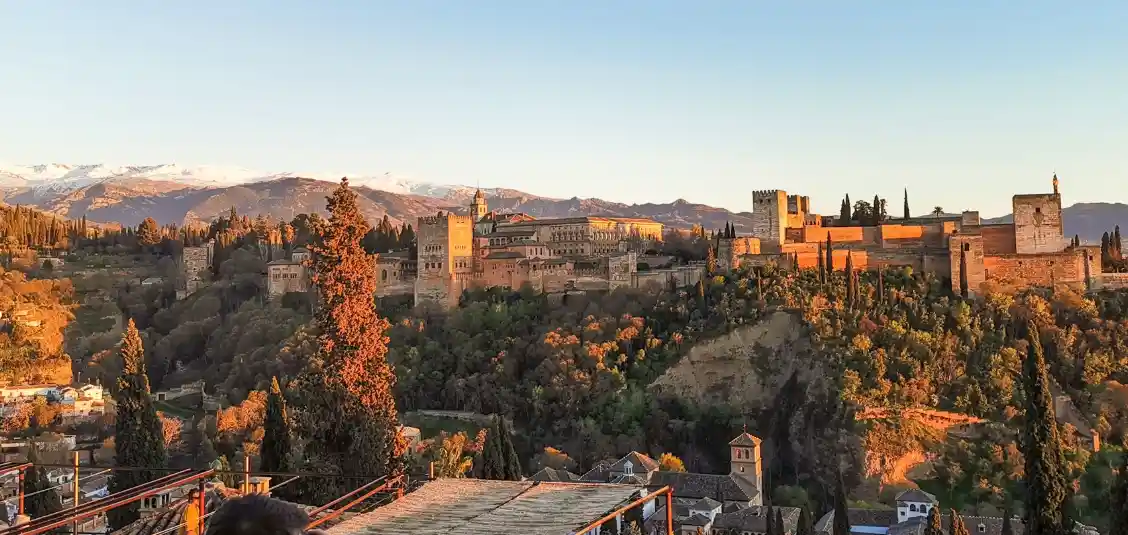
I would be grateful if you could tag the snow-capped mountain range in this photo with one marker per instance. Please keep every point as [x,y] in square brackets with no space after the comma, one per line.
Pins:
[56,178]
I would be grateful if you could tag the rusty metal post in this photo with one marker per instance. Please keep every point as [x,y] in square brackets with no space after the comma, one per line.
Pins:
[22,479]
[203,503]
[670,511]
[75,489]
[246,474]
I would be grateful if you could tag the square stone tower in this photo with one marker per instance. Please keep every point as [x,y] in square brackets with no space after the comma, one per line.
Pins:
[769,218]
[446,258]
[1038,226]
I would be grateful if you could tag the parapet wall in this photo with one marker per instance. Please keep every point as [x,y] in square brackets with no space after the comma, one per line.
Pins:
[1110,281]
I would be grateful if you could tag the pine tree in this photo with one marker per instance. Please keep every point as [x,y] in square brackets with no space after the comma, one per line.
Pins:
[139,439]
[841,513]
[804,527]
[1118,510]
[933,527]
[276,441]
[956,524]
[906,203]
[829,256]
[963,273]
[41,498]
[1045,464]
[350,410]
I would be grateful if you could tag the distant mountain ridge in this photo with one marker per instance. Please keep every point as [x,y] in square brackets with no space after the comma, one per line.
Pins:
[173,193]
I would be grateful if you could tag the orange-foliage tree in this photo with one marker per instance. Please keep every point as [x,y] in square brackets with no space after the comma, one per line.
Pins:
[350,412]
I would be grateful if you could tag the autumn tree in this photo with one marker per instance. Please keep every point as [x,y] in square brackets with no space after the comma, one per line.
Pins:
[710,261]
[669,462]
[1045,462]
[139,437]
[148,233]
[350,408]
[276,445]
[449,453]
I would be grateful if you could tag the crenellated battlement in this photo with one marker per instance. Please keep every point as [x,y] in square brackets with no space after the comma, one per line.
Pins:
[767,194]
[445,218]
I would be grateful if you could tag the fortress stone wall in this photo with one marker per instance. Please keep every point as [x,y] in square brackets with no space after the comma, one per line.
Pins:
[1031,251]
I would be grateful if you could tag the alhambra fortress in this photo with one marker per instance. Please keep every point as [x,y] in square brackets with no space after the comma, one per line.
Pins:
[483,249]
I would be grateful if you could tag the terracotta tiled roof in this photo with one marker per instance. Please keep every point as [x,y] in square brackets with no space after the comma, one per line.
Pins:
[483,507]
[552,474]
[723,488]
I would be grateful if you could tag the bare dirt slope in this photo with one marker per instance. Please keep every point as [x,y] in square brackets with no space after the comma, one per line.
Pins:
[745,367]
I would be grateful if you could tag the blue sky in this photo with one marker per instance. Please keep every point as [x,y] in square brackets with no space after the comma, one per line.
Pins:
[963,103]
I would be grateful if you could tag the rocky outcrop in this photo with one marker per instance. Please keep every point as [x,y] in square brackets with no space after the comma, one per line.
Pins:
[744,367]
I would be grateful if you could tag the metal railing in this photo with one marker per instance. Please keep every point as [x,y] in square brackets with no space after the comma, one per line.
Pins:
[668,492]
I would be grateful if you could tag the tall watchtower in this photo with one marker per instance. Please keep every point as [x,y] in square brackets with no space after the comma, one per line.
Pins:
[478,207]
[446,257]
[1038,226]
[769,218]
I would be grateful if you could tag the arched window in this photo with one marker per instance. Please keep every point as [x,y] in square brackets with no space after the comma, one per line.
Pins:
[737,454]
[912,507]
[384,274]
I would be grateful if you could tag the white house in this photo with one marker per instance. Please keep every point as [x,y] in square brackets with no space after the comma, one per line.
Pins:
[914,503]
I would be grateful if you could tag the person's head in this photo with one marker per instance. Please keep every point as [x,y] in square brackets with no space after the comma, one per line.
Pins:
[258,515]
[194,495]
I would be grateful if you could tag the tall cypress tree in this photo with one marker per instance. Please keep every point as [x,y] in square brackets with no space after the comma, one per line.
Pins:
[906,203]
[276,440]
[963,273]
[1045,464]
[956,524]
[822,264]
[770,522]
[844,212]
[1008,514]
[41,498]
[933,526]
[841,513]
[512,462]
[850,297]
[875,218]
[1106,249]
[139,439]
[499,458]
[829,255]
[1117,243]
[350,411]
[1118,511]
[880,286]
[804,527]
